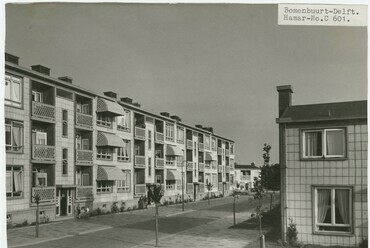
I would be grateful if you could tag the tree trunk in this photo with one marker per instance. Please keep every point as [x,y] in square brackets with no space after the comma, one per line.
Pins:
[234,209]
[156,225]
[37,221]
[208,198]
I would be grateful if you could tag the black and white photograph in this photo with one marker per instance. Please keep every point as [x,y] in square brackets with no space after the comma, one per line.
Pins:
[184,124]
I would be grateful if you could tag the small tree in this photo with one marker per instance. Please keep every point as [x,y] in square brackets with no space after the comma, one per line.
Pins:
[37,199]
[155,194]
[259,211]
[209,188]
[235,196]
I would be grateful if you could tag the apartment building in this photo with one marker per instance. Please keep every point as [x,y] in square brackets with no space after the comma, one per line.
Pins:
[245,174]
[74,147]
[323,158]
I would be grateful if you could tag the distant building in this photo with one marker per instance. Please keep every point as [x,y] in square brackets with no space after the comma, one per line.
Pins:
[323,158]
[245,174]
[74,147]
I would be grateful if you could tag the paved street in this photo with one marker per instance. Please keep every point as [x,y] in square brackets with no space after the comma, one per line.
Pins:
[201,225]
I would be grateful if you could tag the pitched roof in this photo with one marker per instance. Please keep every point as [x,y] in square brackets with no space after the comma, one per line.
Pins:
[325,112]
[246,167]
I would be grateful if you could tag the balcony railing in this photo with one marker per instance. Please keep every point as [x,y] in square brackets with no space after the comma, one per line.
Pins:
[140,189]
[219,151]
[227,152]
[201,187]
[220,186]
[140,133]
[43,111]
[189,166]
[189,144]
[84,193]
[84,120]
[170,163]
[47,194]
[43,152]
[159,137]
[159,163]
[201,167]
[84,156]
[201,147]
[246,178]
[189,188]
[140,161]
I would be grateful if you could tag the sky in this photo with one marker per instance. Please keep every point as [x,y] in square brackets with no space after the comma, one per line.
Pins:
[211,64]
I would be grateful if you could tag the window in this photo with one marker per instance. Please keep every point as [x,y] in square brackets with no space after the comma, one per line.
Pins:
[104,186]
[104,120]
[124,185]
[327,143]
[123,153]
[149,140]
[150,167]
[39,137]
[82,144]
[333,211]
[169,132]
[13,91]
[14,181]
[195,149]
[104,153]
[213,144]
[65,123]
[170,160]
[206,142]
[231,149]
[123,122]
[85,179]
[13,136]
[180,135]
[83,108]
[158,179]
[64,161]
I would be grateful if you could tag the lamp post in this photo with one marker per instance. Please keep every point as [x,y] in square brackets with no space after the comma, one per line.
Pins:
[182,183]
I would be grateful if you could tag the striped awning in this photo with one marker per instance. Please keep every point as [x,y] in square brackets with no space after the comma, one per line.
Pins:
[173,175]
[174,151]
[210,157]
[109,106]
[109,139]
[109,173]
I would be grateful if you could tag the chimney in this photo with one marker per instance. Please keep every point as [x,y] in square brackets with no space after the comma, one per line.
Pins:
[137,104]
[42,69]
[209,129]
[126,100]
[175,117]
[199,126]
[66,79]
[11,58]
[111,94]
[285,97]
[165,114]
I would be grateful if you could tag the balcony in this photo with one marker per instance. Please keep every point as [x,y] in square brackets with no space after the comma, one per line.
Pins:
[219,151]
[84,193]
[201,147]
[159,137]
[189,144]
[139,161]
[84,120]
[189,166]
[140,133]
[189,188]
[43,111]
[201,167]
[220,186]
[201,187]
[159,163]
[43,153]
[140,189]
[227,152]
[47,194]
[84,157]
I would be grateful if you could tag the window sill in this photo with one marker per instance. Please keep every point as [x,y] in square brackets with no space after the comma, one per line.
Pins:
[124,161]
[123,191]
[109,192]
[333,234]
[100,125]
[105,159]
[324,159]
[14,197]
[15,152]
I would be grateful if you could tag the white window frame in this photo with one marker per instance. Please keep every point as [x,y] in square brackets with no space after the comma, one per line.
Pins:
[323,132]
[180,135]
[332,224]
[9,99]
[149,140]
[11,147]
[10,193]
[124,185]
[103,120]
[104,153]
[104,186]
[121,156]
[123,122]
[170,132]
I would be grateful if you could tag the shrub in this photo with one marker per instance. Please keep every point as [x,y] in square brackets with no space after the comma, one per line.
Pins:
[292,233]
[272,217]
[122,207]
[364,243]
[25,223]
[114,208]
[128,209]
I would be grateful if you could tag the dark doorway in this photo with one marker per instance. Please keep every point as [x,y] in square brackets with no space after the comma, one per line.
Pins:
[63,202]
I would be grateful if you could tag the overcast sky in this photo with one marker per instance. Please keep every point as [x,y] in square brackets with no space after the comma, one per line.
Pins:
[216,65]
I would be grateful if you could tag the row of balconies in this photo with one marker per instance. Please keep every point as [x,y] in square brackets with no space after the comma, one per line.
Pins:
[48,194]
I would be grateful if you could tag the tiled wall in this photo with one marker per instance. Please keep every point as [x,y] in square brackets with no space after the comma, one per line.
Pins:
[302,175]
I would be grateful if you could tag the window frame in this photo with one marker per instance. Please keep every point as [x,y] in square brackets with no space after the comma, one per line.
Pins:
[107,188]
[11,124]
[127,185]
[169,132]
[105,153]
[21,194]
[11,102]
[64,123]
[104,120]
[123,158]
[64,161]
[332,189]
[126,122]
[180,138]
[324,155]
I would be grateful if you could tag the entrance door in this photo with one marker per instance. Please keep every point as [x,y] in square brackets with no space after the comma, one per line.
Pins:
[63,202]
